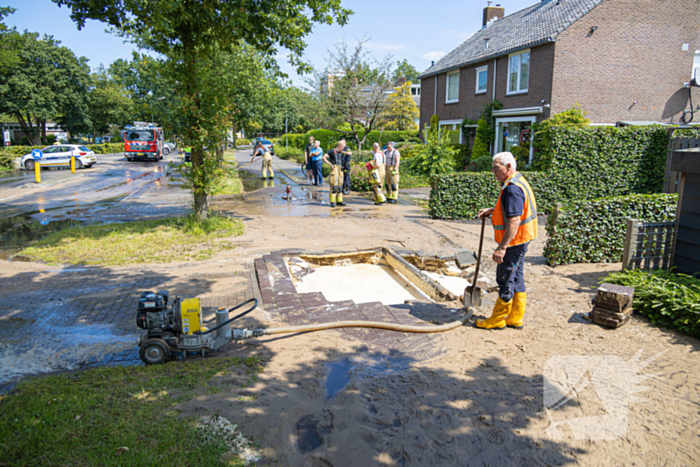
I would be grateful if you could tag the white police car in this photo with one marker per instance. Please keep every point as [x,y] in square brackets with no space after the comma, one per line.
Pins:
[59,155]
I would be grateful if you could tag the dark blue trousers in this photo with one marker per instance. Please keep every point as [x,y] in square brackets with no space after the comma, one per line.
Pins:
[318,172]
[509,274]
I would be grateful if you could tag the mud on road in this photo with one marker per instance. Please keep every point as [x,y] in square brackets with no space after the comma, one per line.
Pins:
[339,398]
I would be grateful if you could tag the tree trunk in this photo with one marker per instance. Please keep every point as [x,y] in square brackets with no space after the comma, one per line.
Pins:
[201,204]
[26,127]
[43,132]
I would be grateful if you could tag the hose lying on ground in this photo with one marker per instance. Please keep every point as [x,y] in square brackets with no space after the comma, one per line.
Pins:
[371,324]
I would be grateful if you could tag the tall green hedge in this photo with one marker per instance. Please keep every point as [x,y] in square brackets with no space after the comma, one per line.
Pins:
[594,231]
[577,164]
[9,154]
[329,137]
[605,161]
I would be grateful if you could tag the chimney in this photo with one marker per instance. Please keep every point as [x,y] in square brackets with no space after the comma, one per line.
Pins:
[400,81]
[493,12]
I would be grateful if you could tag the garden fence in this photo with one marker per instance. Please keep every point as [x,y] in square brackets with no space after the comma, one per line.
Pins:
[649,245]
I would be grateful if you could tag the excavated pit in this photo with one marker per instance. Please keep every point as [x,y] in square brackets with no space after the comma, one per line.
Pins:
[378,275]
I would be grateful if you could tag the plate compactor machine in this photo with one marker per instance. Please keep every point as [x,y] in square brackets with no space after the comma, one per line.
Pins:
[180,328]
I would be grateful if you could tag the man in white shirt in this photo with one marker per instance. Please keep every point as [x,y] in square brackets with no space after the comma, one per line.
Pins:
[392,158]
[376,174]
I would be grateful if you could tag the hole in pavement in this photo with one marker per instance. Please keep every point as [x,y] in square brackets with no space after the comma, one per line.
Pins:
[308,437]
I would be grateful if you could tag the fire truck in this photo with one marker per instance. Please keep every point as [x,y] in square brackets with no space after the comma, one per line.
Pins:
[143,141]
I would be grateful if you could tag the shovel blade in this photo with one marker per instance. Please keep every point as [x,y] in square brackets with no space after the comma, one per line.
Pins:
[472,296]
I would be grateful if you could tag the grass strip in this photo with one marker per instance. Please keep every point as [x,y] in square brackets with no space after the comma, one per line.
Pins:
[87,418]
[156,241]
[668,299]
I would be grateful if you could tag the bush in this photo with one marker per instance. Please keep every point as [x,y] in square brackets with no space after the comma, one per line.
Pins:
[293,155]
[359,179]
[482,164]
[668,299]
[109,148]
[481,140]
[522,156]
[605,161]
[461,156]
[242,142]
[297,141]
[594,231]
[436,156]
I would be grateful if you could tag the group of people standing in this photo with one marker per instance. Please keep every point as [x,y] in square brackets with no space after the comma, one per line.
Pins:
[383,169]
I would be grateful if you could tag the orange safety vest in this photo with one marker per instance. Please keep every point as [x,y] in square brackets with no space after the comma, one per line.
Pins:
[527,231]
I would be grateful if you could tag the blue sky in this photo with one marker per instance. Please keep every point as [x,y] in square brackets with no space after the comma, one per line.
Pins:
[419,31]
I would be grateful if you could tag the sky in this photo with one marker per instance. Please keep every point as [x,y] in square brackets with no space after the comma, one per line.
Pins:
[418,31]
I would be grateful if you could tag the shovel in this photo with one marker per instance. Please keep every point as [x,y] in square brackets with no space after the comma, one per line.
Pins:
[472,294]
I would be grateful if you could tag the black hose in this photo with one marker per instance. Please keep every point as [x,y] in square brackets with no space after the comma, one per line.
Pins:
[255,305]
[692,111]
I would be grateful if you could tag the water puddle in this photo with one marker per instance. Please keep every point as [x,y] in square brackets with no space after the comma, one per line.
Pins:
[337,378]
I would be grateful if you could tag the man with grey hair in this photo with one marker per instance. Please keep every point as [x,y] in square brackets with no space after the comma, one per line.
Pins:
[514,221]
[392,158]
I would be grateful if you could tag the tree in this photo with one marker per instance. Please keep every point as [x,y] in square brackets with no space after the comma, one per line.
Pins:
[48,83]
[189,33]
[401,111]
[406,70]
[351,90]
[107,102]
[9,41]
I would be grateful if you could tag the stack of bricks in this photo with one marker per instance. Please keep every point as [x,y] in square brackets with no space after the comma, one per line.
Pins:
[612,306]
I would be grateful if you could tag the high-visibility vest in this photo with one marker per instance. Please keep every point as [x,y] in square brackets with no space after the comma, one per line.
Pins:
[527,231]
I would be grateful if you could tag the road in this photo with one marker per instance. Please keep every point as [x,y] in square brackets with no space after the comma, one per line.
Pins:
[114,190]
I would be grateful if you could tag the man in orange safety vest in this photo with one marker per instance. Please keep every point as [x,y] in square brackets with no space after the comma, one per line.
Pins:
[514,220]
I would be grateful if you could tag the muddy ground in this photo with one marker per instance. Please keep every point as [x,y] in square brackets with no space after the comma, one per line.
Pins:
[328,398]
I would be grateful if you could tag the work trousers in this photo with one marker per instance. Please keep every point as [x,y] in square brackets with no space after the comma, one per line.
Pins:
[376,177]
[336,182]
[510,274]
[318,172]
[391,179]
[346,179]
[267,165]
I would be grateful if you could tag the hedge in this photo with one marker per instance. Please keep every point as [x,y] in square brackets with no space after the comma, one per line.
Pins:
[9,154]
[668,299]
[594,231]
[581,164]
[329,137]
[605,161]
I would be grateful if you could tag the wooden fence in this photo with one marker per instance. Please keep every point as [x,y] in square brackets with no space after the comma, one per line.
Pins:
[649,245]
[672,182]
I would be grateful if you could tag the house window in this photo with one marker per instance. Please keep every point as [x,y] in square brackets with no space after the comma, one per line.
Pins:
[452,87]
[453,130]
[518,72]
[482,79]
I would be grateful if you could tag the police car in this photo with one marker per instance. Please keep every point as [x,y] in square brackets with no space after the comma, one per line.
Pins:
[59,156]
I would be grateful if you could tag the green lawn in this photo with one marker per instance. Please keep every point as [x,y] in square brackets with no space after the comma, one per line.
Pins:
[89,417]
[157,241]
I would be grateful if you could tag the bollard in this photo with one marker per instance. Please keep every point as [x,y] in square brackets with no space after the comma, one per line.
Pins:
[72,164]
[37,172]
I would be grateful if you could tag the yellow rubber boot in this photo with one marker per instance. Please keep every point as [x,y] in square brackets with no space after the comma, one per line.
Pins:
[498,317]
[517,311]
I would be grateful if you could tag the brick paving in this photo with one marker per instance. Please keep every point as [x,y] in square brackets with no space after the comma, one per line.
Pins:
[290,308]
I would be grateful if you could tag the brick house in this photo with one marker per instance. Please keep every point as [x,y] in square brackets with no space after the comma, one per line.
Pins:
[621,60]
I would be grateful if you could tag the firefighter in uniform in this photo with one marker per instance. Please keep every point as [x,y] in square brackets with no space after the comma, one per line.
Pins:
[375,167]
[392,158]
[334,158]
[345,163]
[261,150]
[514,220]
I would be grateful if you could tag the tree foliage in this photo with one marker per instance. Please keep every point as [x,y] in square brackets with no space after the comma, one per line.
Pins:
[193,35]
[401,111]
[350,91]
[406,70]
[48,83]
[108,103]
[9,41]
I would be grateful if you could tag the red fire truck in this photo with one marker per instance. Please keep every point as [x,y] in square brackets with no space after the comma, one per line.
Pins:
[143,141]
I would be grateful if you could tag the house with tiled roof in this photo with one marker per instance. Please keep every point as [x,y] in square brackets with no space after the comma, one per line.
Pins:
[620,60]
